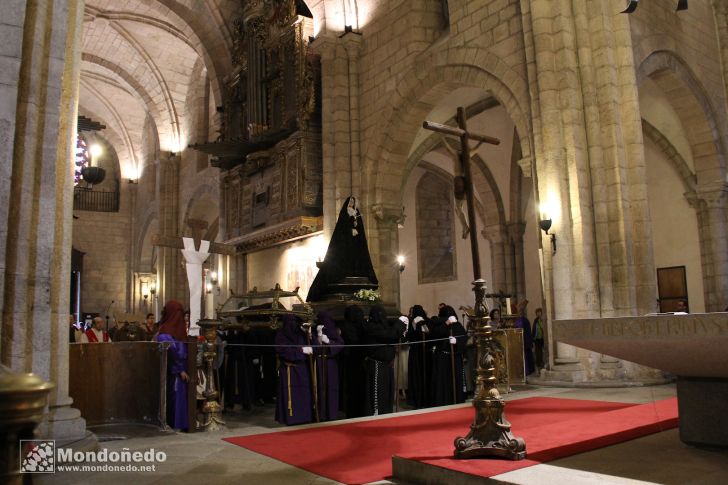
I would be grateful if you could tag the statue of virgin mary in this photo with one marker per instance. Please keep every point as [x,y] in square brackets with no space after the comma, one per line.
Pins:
[347,254]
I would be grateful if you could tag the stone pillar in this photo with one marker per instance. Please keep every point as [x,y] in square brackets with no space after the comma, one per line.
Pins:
[589,167]
[515,235]
[494,234]
[42,71]
[169,265]
[709,202]
[339,121]
[383,239]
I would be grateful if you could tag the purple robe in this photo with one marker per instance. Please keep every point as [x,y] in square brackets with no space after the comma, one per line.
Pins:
[294,404]
[327,369]
[176,388]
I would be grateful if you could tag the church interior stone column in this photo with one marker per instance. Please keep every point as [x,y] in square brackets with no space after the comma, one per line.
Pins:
[710,203]
[589,144]
[46,43]
[340,122]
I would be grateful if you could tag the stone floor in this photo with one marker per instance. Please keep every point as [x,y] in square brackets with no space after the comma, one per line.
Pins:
[203,458]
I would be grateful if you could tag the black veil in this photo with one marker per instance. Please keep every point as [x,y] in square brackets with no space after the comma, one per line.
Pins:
[347,254]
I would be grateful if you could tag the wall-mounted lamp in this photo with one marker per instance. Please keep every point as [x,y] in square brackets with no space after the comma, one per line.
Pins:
[153,288]
[208,287]
[213,278]
[545,225]
[400,262]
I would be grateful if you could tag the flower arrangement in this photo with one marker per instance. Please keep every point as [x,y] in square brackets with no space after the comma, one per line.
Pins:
[367,295]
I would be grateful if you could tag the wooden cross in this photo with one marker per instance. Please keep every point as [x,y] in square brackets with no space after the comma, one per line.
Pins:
[197,227]
[465,136]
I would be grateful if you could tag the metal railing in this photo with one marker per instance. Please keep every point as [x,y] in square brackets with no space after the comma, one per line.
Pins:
[95,200]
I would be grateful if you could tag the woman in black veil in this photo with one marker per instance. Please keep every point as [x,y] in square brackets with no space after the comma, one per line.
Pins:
[347,254]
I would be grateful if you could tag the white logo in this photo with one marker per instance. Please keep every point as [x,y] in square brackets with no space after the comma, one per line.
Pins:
[37,456]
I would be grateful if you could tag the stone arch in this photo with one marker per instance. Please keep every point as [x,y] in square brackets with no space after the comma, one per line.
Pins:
[678,162]
[205,197]
[146,252]
[692,104]
[117,119]
[140,90]
[419,91]
[212,40]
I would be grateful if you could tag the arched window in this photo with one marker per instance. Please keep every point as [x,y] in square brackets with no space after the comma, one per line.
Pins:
[436,255]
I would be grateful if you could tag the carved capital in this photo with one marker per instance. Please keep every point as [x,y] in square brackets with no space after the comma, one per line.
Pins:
[324,46]
[388,215]
[352,44]
[494,234]
[516,230]
[526,163]
[712,195]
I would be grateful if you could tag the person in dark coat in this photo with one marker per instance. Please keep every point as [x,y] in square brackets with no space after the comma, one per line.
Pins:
[522,322]
[538,338]
[378,360]
[295,403]
[447,359]
[172,329]
[263,363]
[347,254]
[418,361]
[327,365]
[352,360]
[237,374]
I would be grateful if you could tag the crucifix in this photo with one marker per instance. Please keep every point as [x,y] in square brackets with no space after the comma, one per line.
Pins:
[490,433]
[195,251]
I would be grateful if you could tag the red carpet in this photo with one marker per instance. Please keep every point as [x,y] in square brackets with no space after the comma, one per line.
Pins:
[361,452]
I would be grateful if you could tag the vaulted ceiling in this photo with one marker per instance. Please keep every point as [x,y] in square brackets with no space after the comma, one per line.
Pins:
[139,60]
[141,57]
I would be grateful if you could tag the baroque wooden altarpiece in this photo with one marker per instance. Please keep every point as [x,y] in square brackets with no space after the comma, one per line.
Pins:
[269,147]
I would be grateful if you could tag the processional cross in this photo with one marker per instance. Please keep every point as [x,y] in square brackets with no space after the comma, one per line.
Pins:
[195,251]
[490,433]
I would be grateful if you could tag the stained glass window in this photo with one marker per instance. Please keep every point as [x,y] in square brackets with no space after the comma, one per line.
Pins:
[81,159]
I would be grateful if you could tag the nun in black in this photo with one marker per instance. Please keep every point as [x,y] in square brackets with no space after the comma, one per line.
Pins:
[347,254]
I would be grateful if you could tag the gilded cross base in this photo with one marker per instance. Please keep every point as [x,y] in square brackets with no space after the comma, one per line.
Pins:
[490,434]
[212,410]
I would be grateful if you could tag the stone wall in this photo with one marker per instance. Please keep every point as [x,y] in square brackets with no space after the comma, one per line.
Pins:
[104,237]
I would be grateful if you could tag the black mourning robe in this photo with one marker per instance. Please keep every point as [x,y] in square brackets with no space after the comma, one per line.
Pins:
[352,363]
[347,255]
[443,357]
[378,360]
[418,361]
[327,367]
[237,371]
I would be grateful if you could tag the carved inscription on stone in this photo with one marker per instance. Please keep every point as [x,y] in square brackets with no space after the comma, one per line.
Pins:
[667,326]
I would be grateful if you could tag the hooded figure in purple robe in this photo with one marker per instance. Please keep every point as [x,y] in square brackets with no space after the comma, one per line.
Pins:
[173,329]
[295,403]
[327,365]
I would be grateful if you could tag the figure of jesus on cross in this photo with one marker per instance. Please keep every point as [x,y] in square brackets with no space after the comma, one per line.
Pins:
[490,433]
[195,251]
